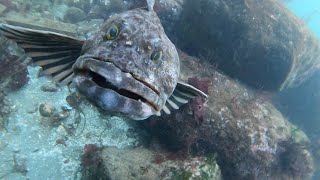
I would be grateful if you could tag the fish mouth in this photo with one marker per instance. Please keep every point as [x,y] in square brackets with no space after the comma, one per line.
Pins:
[104,83]
[98,79]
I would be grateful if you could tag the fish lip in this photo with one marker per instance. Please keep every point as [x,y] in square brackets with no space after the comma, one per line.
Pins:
[111,101]
[88,65]
[149,85]
[153,88]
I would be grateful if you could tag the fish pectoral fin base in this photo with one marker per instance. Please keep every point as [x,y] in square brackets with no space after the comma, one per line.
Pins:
[54,52]
[182,95]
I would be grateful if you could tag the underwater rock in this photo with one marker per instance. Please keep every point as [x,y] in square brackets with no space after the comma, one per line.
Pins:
[46,109]
[66,108]
[262,44]
[59,11]
[86,28]
[104,8]
[142,163]
[13,69]
[81,4]
[2,8]
[13,76]
[295,160]
[92,163]
[74,100]
[74,15]
[4,110]
[50,87]
[246,131]
[57,117]
[8,4]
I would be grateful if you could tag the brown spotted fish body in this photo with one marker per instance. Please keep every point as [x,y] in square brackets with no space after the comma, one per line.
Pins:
[129,67]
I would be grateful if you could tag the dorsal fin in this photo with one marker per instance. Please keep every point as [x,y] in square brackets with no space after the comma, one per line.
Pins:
[182,95]
[54,52]
[150,4]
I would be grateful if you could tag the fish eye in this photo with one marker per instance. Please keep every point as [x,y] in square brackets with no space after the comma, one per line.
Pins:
[156,55]
[112,32]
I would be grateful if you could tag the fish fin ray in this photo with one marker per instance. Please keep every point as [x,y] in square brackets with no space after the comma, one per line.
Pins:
[54,52]
[188,91]
[182,94]
[150,5]
[166,109]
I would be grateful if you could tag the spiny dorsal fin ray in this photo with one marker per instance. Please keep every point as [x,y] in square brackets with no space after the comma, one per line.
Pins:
[54,52]
[150,4]
[181,95]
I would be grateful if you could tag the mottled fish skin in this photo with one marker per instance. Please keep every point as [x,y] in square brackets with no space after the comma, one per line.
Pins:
[126,63]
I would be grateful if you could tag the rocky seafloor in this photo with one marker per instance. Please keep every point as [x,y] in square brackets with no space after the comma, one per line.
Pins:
[50,132]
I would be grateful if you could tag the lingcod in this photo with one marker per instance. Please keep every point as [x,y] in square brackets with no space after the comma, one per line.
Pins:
[128,67]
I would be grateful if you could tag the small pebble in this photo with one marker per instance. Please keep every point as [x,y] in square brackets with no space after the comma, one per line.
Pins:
[58,117]
[16,149]
[61,116]
[46,109]
[50,87]
[74,15]
[74,100]
[66,108]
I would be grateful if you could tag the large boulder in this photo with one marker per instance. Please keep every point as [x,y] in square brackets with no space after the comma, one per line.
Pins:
[250,136]
[261,43]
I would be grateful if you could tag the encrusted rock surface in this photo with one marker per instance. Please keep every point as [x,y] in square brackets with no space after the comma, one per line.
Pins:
[249,135]
[142,163]
[13,75]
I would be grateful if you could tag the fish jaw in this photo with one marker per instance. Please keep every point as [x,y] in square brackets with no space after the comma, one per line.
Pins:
[115,91]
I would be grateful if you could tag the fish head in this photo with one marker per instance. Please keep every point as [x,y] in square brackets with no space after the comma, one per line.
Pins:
[129,66]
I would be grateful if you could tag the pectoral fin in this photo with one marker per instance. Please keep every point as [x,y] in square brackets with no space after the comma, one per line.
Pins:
[54,52]
[182,95]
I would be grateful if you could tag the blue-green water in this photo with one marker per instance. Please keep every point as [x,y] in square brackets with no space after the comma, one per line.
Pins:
[309,11]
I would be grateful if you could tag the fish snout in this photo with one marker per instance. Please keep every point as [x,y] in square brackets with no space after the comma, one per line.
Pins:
[127,89]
